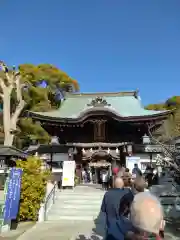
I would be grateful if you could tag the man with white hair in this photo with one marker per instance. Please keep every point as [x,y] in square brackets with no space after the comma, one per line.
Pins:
[146,215]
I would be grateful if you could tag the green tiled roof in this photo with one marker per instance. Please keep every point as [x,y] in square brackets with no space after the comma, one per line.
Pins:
[124,105]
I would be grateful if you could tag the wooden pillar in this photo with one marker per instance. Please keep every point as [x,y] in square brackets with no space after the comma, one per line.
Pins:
[151,159]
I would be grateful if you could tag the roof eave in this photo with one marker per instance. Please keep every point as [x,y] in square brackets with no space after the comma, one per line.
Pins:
[154,117]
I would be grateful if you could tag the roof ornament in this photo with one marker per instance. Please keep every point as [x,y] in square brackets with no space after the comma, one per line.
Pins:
[98,102]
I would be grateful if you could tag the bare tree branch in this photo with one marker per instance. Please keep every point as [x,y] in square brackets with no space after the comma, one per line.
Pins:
[1,95]
[153,139]
[169,163]
[9,76]
[168,151]
[18,87]
[16,114]
[21,102]
[2,84]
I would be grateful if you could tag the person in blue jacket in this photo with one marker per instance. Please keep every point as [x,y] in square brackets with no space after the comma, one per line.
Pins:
[115,205]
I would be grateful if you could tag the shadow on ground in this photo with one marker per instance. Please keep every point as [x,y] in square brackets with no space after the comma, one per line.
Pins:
[92,237]
[172,231]
[97,233]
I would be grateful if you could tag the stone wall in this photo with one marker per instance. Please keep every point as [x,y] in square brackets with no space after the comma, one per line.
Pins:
[169,194]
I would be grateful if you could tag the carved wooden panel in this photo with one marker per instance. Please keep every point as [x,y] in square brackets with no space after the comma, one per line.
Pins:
[99,130]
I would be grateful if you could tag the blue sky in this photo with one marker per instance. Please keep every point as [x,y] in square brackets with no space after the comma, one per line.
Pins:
[107,45]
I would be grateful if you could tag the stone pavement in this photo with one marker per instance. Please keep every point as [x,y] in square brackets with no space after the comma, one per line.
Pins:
[14,234]
[64,230]
[73,218]
[72,230]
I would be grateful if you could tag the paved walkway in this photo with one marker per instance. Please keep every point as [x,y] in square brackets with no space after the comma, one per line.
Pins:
[63,230]
[73,218]
[14,234]
[72,230]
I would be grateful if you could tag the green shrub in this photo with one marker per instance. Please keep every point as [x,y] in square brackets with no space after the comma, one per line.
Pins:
[33,188]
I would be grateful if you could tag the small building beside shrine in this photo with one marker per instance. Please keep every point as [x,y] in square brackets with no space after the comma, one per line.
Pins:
[103,129]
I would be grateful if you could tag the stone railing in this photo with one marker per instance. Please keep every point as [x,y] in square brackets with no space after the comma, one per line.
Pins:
[48,201]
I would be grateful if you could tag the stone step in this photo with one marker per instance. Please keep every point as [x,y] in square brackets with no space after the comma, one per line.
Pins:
[64,211]
[77,201]
[85,197]
[81,207]
[98,218]
[79,204]
[81,192]
[81,189]
[74,218]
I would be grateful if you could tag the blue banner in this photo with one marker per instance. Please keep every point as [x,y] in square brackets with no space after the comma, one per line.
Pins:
[13,194]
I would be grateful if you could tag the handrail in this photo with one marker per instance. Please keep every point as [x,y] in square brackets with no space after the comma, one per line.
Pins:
[50,196]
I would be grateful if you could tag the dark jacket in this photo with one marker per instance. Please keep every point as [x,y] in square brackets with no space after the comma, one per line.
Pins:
[137,172]
[117,225]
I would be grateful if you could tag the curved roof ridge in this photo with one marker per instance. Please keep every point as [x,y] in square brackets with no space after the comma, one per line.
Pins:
[98,94]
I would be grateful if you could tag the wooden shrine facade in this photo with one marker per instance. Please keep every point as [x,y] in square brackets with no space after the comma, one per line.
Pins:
[101,127]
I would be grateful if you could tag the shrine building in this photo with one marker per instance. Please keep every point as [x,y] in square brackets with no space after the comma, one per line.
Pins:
[103,129]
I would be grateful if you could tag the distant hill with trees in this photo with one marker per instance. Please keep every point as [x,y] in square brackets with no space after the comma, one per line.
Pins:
[170,127]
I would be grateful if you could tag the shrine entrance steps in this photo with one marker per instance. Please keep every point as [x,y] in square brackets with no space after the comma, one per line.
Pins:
[79,204]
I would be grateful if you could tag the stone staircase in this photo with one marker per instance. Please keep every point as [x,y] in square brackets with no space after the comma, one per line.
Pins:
[72,217]
[80,204]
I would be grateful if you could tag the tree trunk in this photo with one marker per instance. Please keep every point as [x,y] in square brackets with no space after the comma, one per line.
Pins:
[10,81]
[8,137]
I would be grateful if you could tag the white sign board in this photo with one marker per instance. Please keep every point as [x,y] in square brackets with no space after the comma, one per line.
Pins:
[68,173]
[130,161]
